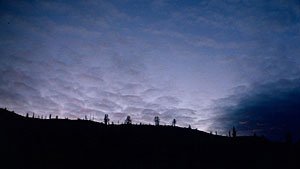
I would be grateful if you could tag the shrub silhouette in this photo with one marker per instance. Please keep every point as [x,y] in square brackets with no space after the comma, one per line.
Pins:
[128,120]
[233,132]
[174,122]
[50,116]
[288,138]
[106,119]
[156,121]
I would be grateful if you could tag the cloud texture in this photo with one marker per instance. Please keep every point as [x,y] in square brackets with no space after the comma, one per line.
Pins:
[211,64]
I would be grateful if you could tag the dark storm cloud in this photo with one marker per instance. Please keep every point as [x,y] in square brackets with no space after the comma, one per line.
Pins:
[272,109]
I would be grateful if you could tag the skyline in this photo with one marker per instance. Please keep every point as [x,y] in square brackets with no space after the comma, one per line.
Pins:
[208,64]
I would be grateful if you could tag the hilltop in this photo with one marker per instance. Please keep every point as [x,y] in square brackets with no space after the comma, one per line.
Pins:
[61,143]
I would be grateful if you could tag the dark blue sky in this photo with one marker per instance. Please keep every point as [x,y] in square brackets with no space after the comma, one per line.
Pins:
[212,64]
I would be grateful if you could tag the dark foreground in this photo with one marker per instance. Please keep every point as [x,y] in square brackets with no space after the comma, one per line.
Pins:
[59,144]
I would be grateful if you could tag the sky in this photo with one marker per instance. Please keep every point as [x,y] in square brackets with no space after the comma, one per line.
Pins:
[210,64]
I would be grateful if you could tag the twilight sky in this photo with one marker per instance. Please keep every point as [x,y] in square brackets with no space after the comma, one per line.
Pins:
[212,64]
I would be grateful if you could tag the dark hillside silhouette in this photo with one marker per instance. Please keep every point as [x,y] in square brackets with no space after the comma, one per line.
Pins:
[61,143]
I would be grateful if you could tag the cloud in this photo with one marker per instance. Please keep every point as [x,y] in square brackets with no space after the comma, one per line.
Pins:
[132,100]
[271,109]
[167,101]
[133,110]
[171,59]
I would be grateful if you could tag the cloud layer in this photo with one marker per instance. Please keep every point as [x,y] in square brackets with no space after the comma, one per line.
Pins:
[270,109]
[204,63]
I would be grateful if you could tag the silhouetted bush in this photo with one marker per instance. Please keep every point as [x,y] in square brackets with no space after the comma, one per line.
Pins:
[106,119]
[288,138]
[128,120]
[233,132]
[156,121]
[174,122]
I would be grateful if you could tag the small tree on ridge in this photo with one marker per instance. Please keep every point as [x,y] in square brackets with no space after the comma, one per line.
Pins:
[156,121]
[128,120]
[106,119]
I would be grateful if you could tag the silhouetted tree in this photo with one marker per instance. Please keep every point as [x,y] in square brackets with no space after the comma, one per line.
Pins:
[106,119]
[27,115]
[288,138]
[156,120]
[56,117]
[174,122]
[233,132]
[190,127]
[229,133]
[128,120]
[216,132]
[50,116]
[33,115]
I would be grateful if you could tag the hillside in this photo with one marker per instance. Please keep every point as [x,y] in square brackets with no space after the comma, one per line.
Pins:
[60,143]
